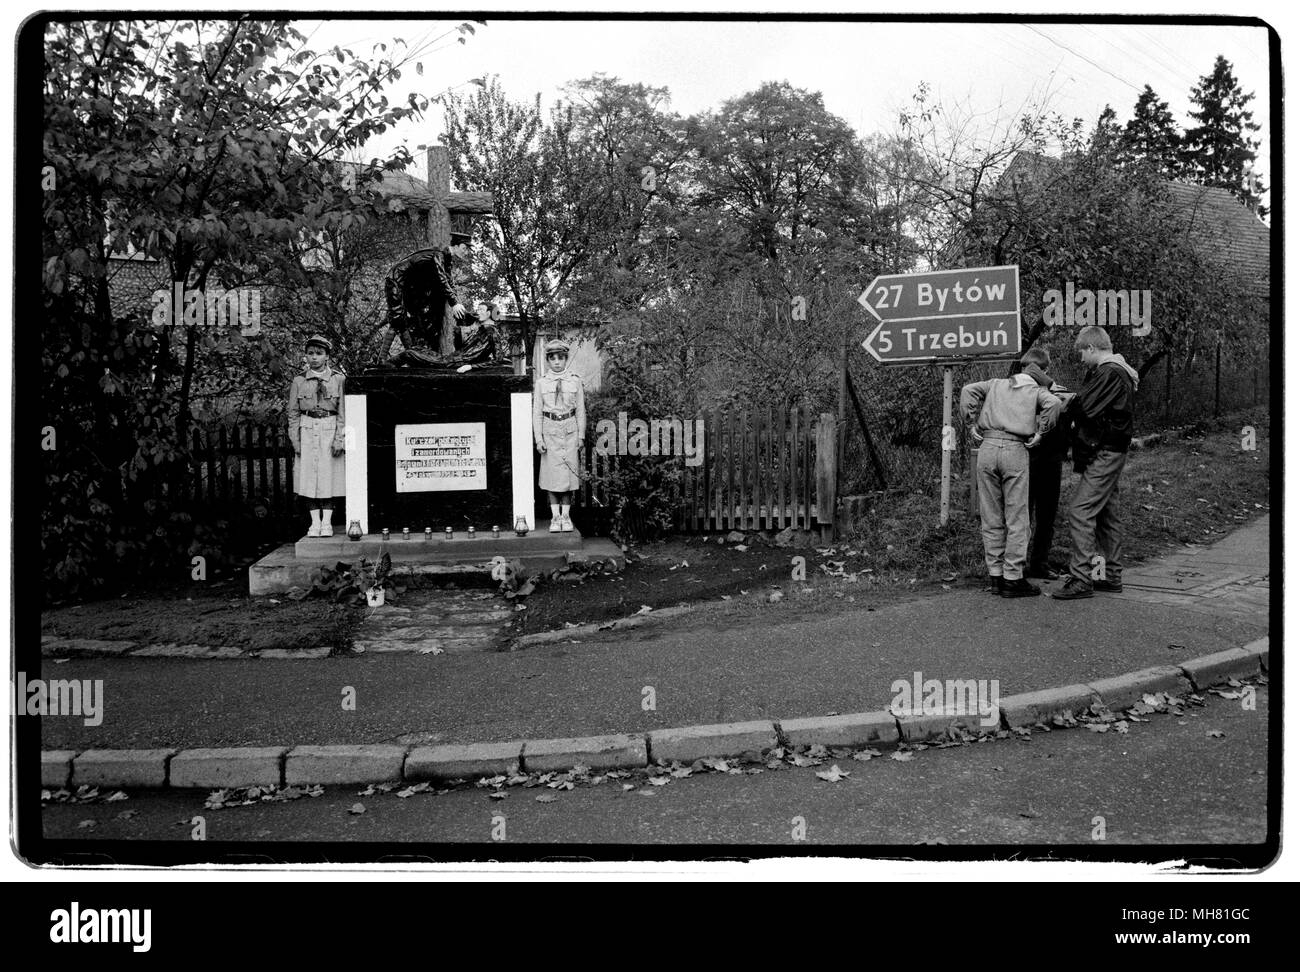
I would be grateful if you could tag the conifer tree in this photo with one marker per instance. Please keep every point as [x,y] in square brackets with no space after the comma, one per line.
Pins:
[1151,138]
[1218,149]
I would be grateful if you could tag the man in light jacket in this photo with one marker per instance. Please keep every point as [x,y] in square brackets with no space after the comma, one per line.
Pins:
[1008,417]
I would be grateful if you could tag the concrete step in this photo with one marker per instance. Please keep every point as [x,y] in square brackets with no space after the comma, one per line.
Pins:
[439,549]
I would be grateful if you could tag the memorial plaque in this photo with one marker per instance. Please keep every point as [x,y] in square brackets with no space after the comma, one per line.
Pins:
[439,457]
[403,407]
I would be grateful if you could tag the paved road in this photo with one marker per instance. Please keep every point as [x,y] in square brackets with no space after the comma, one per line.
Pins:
[1168,781]
[703,671]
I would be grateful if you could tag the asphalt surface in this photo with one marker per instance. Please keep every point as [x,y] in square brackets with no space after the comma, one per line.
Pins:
[1197,778]
[701,673]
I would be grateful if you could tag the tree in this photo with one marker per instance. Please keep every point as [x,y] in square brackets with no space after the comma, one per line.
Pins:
[1218,150]
[784,169]
[1151,138]
[210,147]
[1107,134]
[529,163]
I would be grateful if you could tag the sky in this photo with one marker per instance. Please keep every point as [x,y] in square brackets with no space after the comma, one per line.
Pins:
[865,71]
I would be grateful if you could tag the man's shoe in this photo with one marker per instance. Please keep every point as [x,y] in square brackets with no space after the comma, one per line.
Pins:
[995,584]
[1110,587]
[1073,590]
[1042,573]
[1019,588]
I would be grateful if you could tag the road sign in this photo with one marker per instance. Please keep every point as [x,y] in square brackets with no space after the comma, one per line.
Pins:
[946,314]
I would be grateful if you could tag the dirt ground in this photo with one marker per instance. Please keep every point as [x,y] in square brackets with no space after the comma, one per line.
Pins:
[215,613]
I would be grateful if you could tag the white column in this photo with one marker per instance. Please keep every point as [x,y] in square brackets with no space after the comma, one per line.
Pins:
[521,457]
[355,470]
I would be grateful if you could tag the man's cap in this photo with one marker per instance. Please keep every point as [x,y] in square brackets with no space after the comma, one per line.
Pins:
[556,344]
[320,340]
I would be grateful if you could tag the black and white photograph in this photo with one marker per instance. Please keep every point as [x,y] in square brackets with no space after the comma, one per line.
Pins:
[659,436]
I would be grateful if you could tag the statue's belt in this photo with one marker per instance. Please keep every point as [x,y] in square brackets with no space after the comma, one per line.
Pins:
[319,413]
[559,416]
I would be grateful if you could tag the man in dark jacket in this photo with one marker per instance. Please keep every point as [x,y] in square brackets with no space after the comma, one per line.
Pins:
[1044,470]
[1102,417]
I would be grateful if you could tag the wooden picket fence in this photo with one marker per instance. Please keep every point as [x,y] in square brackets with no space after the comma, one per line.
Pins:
[762,469]
[243,469]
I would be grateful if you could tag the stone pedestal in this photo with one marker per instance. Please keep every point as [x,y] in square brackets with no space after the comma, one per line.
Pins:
[437,449]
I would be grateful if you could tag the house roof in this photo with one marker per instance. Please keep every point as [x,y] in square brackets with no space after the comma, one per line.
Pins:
[1218,223]
[1221,226]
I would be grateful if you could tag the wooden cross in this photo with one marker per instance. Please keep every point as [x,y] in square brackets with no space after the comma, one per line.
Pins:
[450,210]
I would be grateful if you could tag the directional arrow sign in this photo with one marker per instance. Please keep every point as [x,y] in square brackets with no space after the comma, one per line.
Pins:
[969,313]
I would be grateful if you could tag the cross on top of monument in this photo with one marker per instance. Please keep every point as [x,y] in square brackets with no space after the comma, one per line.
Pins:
[450,210]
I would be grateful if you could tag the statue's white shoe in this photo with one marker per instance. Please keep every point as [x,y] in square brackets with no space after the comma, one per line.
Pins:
[566,524]
[557,524]
[313,530]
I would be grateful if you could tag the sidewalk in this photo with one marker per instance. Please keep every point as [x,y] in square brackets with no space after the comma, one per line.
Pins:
[1189,604]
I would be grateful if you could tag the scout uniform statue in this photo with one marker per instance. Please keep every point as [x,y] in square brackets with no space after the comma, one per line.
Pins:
[316,435]
[559,427]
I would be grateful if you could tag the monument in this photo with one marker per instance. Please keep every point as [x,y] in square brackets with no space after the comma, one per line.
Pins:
[439,438]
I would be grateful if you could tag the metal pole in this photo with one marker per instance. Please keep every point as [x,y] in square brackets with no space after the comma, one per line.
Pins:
[948,443]
[841,427]
[1218,354]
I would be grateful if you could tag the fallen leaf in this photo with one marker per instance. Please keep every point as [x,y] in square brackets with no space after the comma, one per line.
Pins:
[357,808]
[546,798]
[902,757]
[658,780]
[832,775]
[1214,733]
[645,609]
[498,795]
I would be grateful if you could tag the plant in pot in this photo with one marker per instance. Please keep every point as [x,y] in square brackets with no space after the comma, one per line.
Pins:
[365,582]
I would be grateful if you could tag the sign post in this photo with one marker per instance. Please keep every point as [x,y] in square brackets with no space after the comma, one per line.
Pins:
[944,317]
[949,443]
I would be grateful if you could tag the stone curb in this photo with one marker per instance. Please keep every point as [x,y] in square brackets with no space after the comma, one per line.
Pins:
[214,769]
[599,627]
[621,751]
[457,762]
[380,763]
[1123,691]
[1221,666]
[52,647]
[690,743]
[1031,708]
